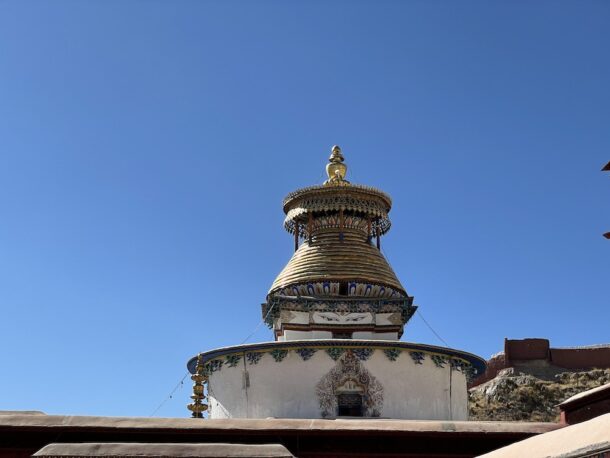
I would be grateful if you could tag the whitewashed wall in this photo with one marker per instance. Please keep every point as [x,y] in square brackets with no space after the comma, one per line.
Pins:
[287,389]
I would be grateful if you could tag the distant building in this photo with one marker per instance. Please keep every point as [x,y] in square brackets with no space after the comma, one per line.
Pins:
[537,357]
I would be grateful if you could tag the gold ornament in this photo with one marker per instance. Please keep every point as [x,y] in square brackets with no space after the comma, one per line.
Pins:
[199,379]
[336,169]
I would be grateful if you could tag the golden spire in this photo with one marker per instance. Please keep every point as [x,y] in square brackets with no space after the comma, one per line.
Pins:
[336,169]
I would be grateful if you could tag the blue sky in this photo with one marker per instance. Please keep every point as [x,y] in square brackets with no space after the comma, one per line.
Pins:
[147,145]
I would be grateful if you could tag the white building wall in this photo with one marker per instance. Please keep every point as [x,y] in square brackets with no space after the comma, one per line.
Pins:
[306,335]
[368,335]
[287,389]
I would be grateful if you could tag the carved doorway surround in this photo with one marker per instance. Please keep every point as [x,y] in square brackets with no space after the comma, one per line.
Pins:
[349,389]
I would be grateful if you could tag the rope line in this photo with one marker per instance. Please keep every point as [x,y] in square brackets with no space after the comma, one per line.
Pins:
[171,394]
[431,329]
[420,314]
[258,325]
[180,384]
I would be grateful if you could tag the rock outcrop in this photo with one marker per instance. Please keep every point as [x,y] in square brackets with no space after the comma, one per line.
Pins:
[516,395]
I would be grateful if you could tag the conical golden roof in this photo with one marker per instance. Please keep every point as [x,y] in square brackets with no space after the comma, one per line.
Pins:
[337,222]
[326,258]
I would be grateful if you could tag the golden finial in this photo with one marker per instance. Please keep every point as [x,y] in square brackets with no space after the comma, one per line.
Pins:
[336,169]
[335,154]
[199,378]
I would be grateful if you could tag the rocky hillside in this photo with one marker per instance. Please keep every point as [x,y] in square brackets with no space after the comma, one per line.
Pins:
[520,396]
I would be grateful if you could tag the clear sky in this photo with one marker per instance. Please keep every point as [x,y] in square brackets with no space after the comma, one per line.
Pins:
[147,145]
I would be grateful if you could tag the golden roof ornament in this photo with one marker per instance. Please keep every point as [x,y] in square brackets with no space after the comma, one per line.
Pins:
[336,169]
[198,406]
[337,222]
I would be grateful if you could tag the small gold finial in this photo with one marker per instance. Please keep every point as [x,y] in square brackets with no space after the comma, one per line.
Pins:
[335,154]
[336,169]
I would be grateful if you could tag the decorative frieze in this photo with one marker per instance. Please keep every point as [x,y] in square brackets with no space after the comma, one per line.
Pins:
[305,353]
[392,353]
[318,288]
[331,288]
[464,367]
[254,357]
[325,203]
[470,373]
[276,304]
[335,352]
[457,364]
[213,366]
[331,221]
[363,353]
[438,360]
[233,359]
[278,354]
[417,356]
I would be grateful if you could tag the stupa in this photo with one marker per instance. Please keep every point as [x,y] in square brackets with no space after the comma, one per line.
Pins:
[337,312]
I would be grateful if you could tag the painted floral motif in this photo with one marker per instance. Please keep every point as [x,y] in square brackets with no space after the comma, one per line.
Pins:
[458,364]
[349,370]
[363,353]
[306,353]
[418,356]
[392,353]
[439,360]
[470,373]
[335,352]
[253,358]
[233,360]
[212,366]
[278,354]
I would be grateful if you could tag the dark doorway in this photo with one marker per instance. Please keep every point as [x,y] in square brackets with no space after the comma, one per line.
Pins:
[350,405]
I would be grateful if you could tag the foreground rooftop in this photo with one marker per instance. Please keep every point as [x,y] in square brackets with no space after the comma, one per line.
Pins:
[25,434]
